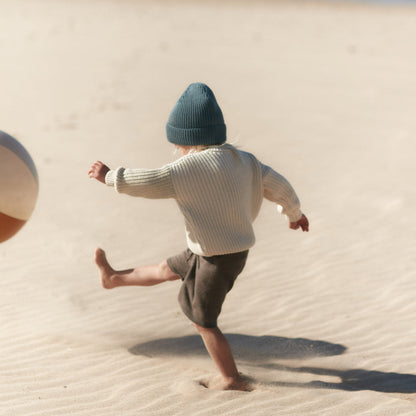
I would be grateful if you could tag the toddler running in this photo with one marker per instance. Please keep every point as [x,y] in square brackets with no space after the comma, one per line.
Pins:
[219,189]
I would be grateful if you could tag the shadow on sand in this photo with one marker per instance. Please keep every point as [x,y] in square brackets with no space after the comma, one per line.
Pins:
[352,380]
[245,347]
[263,351]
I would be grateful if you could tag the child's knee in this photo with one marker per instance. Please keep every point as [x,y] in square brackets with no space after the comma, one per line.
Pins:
[203,329]
[166,273]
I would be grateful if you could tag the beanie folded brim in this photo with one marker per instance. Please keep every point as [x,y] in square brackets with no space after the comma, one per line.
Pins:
[206,136]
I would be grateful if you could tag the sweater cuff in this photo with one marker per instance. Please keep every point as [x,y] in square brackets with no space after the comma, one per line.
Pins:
[110,178]
[292,216]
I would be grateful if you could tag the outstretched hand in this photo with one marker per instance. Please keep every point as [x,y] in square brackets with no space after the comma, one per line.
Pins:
[98,171]
[303,223]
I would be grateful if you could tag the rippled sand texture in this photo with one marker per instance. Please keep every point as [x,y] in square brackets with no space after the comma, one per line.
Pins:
[324,323]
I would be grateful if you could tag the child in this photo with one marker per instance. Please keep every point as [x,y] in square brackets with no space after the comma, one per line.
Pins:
[219,191]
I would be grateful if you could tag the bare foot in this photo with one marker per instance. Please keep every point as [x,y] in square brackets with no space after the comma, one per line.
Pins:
[241,384]
[108,277]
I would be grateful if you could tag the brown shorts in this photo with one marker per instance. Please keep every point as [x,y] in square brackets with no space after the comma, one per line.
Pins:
[206,281]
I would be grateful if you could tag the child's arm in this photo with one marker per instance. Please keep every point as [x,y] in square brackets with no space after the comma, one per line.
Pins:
[98,171]
[146,183]
[277,189]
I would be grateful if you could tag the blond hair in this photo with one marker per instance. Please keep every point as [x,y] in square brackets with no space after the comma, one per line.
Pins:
[192,149]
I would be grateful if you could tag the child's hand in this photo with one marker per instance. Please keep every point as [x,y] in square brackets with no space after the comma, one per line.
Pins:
[302,223]
[98,171]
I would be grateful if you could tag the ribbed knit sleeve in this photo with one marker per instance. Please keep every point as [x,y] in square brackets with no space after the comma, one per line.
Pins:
[277,189]
[146,183]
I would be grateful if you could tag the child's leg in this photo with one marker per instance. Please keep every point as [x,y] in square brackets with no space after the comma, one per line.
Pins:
[139,276]
[220,351]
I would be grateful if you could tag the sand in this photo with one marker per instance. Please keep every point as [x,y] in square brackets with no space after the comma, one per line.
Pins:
[323,322]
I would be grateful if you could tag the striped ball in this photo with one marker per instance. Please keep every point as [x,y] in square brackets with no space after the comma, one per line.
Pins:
[18,186]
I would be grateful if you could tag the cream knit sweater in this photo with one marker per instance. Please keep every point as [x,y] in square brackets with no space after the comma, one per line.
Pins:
[219,191]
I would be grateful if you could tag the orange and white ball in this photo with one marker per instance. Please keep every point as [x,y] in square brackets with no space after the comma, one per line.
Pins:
[19,186]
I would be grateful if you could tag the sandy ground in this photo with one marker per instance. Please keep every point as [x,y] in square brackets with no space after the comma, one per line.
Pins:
[323,322]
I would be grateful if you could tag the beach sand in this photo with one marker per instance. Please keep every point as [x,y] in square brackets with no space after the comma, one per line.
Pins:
[323,322]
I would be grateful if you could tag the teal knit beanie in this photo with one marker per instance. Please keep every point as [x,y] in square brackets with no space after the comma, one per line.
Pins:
[196,119]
